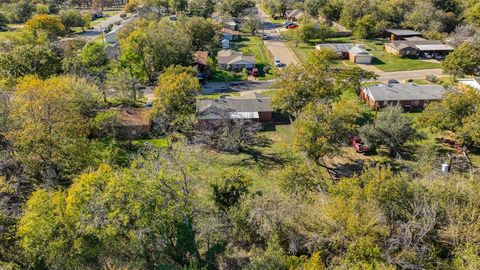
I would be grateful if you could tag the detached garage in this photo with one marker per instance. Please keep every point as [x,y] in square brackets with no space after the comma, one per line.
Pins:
[360,56]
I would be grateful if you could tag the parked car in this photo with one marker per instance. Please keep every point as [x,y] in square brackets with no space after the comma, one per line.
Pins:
[264,36]
[149,104]
[292,26]
[358,145]
[392,81]
[255,72]
[278,63]
[427,56]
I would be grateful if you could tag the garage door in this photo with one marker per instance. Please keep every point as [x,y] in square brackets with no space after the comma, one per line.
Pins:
[363,59]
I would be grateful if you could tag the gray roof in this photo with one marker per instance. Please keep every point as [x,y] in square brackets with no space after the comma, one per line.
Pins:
[358,51]
[403,32]
[296,13]
[230,57]
[422,45]
[249,103]
[336,47]
[404,91]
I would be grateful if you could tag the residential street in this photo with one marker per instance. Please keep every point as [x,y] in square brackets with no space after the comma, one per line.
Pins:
[92,33]
[277,47]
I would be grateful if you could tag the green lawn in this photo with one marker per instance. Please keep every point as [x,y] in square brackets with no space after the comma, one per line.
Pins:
[253,45]
[383,60]
[262,163]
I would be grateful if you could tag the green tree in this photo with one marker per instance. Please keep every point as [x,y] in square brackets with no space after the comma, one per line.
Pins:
[390,129]
[322,128]
[472,14]
[93,55]
[252,24]
[3,22]
[23,60]
[202,8]
[366,27]
[312,7]
[230,189]
[233,7]
[73,18]
[465,60]
[332,10]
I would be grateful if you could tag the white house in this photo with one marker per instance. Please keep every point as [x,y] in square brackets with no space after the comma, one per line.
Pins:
[473,83]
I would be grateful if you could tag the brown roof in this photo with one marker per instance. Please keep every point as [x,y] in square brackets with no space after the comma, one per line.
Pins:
[230,31]
[201,57]
[252,102]
[133,117]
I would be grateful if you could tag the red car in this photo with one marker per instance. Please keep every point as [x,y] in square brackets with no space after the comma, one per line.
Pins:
[292,26]
[358,145]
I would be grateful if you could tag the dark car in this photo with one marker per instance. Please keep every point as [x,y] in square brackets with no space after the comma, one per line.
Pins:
[255,72]
[358,145]
[393,81]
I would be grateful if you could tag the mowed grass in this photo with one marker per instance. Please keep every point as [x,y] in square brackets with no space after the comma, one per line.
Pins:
[383,60]
[263,162]
[227,76]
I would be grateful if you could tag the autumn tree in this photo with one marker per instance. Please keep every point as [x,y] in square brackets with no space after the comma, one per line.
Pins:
[50,126]
[234,7]
[175,97]
[49,25]
[154,199]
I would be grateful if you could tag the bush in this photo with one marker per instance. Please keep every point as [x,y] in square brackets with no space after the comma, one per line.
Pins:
[431,78]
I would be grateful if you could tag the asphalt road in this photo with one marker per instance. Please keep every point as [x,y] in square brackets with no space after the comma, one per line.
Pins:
[92,33]
[275,44]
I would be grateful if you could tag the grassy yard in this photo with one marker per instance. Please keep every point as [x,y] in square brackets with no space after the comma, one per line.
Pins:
[253,45]
[383,60]
[262,162]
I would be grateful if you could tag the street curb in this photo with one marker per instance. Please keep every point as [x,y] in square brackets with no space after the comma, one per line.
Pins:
[290,49]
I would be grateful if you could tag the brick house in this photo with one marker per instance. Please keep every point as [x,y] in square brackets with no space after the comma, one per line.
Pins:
[407,95]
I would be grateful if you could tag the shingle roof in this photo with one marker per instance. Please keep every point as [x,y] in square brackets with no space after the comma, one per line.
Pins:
[358,51]
[474,83]
[201,57]
[422,45]
[403,32]
[336,47]
[230,31]
[404,91]
[243,105]
[230,57]
[132,116]
[296,13]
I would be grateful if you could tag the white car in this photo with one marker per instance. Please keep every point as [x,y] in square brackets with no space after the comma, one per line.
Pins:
[278,63]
